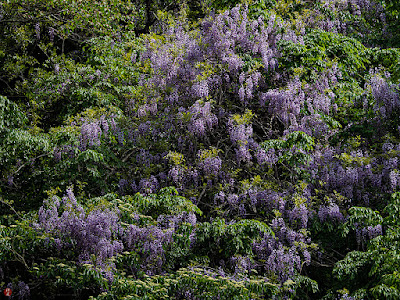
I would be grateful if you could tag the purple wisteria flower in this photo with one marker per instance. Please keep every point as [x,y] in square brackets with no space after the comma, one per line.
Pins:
[211,165]
[51,33]
[37,30]
[149,185]
[202,118]
[93,232]
[330,211]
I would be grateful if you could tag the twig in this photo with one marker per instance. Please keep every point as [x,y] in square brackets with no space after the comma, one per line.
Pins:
[12,208]
[19,169]
[21,258]
[128,155]
[123,160]
[202,193]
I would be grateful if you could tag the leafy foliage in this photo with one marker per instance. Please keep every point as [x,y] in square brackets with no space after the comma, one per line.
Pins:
[200,150]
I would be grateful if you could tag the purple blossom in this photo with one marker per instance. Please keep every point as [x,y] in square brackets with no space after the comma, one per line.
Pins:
[10,180]
[51,34]
[232,199]
[93,232]
[134,186]
[71,196]
[173,98]
[57,154]
[150,240]
[241,94]
[198,127]
[219,198]
[149,185]
[202,118]
[394,177]
[211,165]
[23,291]
[37,30]
[307,257]
[346,296]
[144,158]
[261,156]
[200,89]
[241,264]
[123,183]
[177,174]
[387,99]
[243,154]
[242,210]
[240,133]
[191,218]
[330,211]
[90,134]
[374,231]
[234,62]
[299,213]
[144,128]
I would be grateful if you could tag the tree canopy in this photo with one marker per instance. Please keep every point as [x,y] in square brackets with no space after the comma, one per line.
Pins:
[200,149]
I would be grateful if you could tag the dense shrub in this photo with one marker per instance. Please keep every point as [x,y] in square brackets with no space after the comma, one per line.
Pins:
[250,152]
